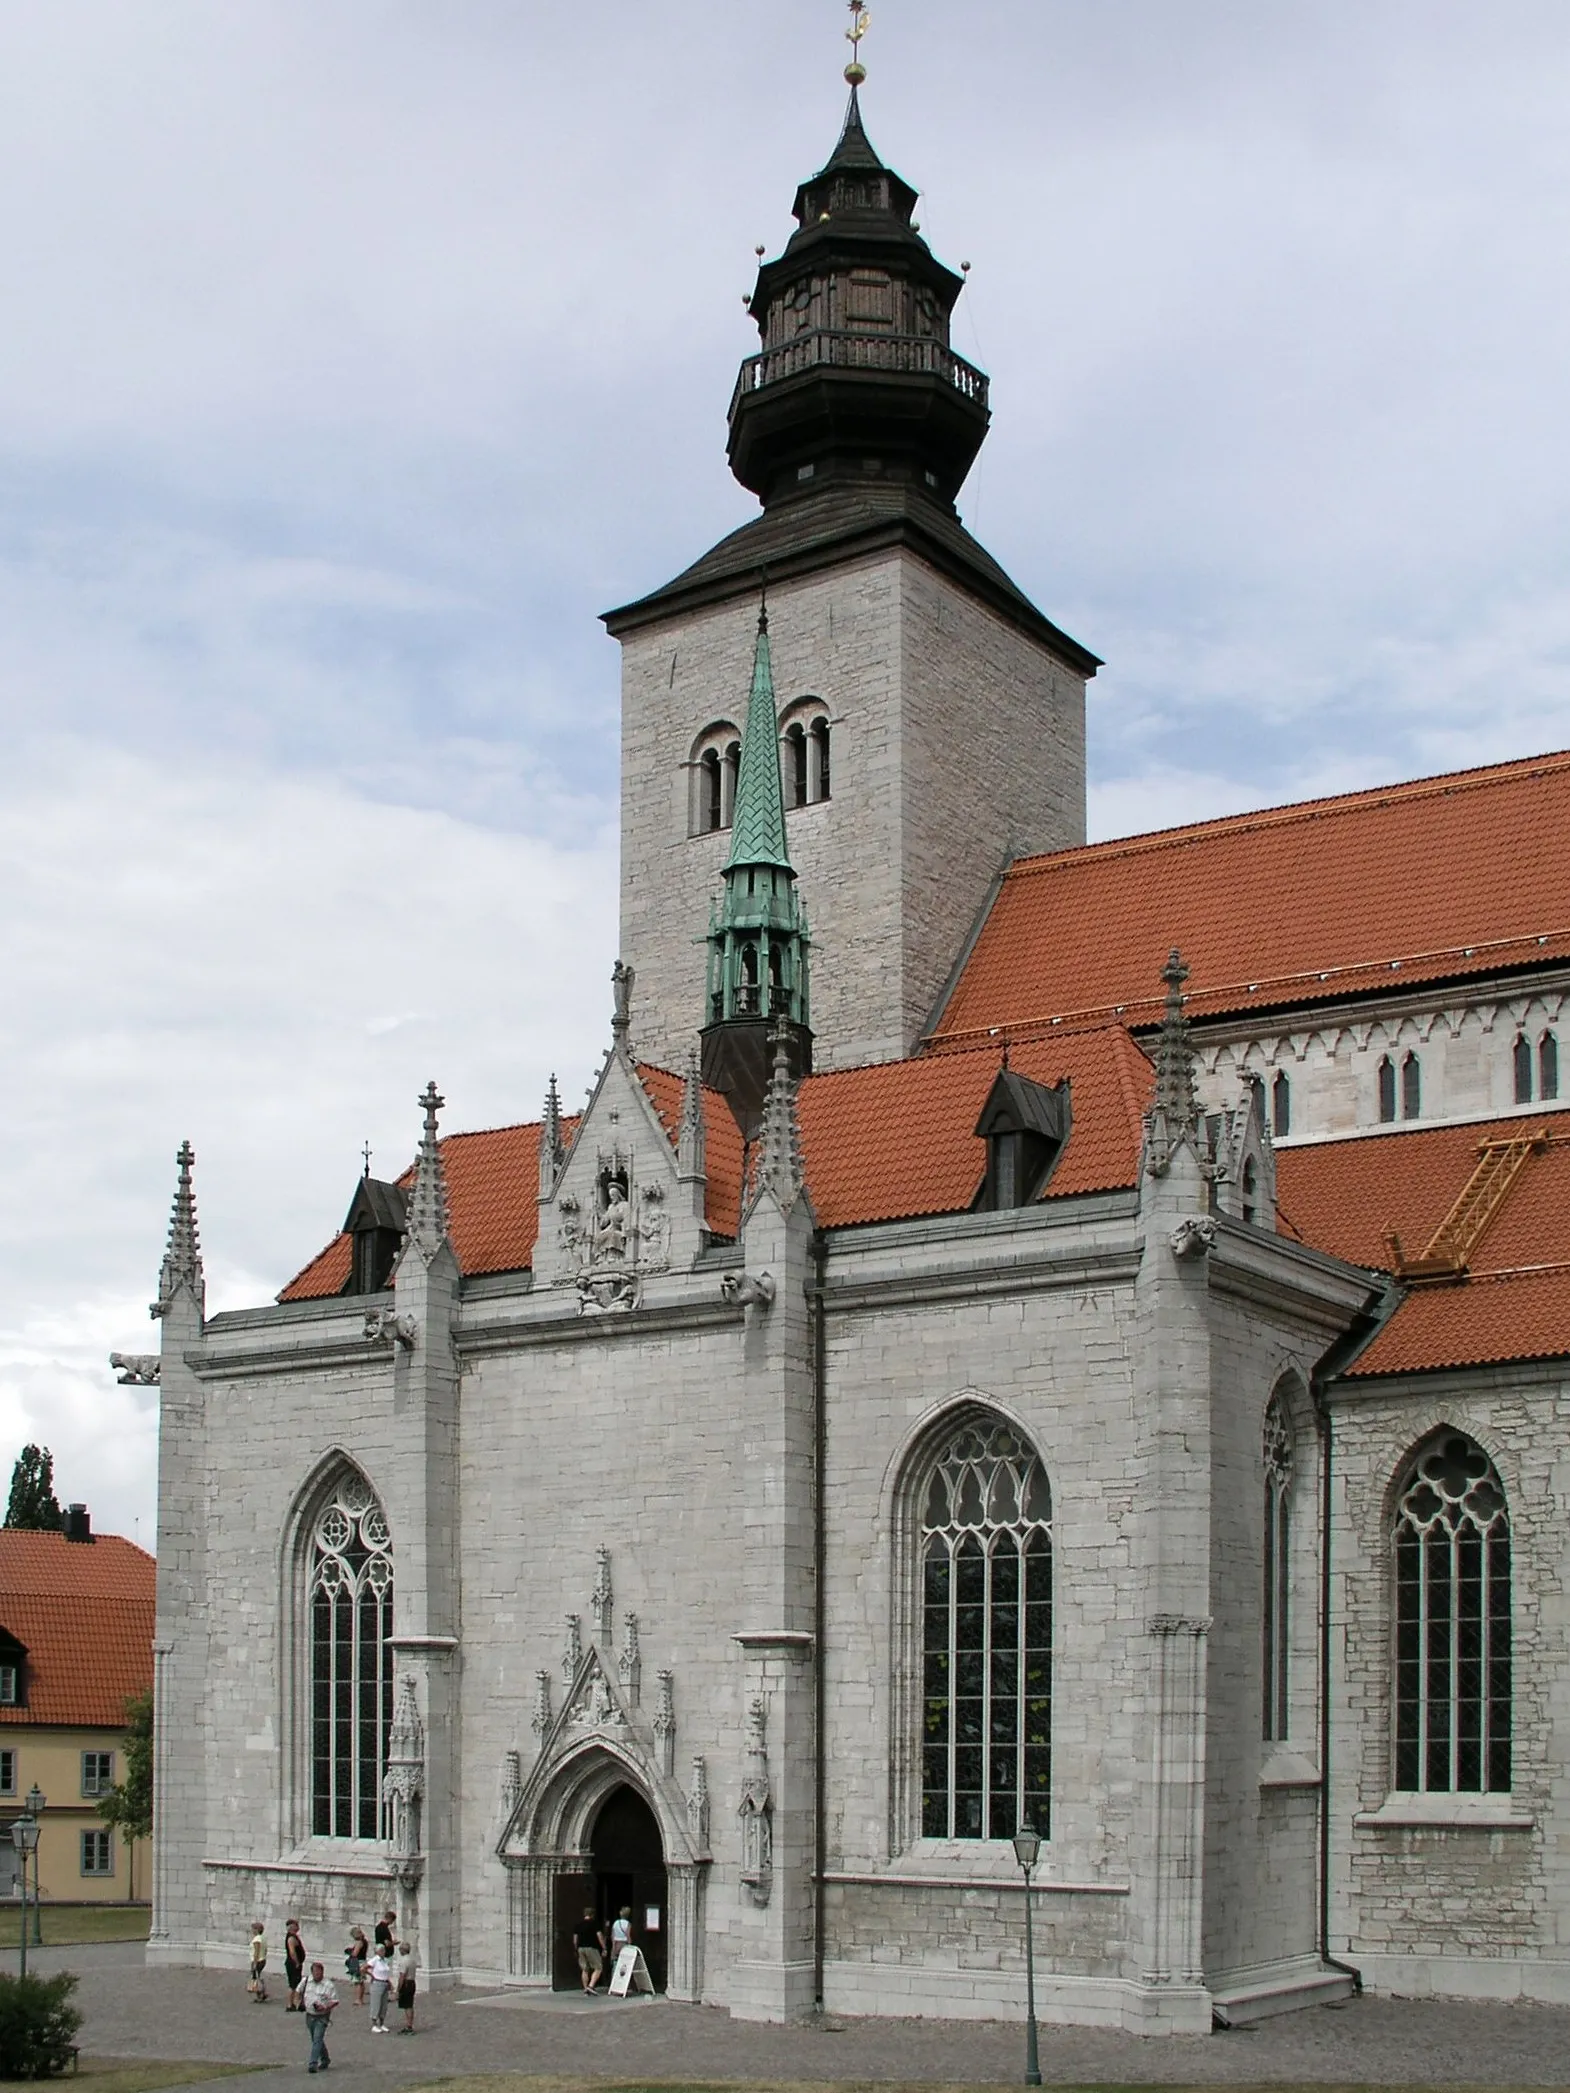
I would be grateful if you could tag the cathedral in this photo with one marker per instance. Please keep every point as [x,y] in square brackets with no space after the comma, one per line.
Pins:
[1022,1333]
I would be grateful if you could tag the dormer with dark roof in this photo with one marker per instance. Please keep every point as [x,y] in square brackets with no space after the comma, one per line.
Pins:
[375,1223]
[1024,1125]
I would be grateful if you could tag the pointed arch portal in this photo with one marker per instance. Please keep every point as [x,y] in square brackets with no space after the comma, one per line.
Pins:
[626,1871]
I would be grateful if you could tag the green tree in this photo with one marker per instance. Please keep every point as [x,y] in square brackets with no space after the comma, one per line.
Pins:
[128,1806]
[33,1502]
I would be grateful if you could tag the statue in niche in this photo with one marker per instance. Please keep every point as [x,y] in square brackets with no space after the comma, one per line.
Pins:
[613,1226]
[608,1275]
[654,1231]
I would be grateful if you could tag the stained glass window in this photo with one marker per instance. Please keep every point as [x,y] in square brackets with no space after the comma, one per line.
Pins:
[351,1609]
[986,1560]
[1452,1567]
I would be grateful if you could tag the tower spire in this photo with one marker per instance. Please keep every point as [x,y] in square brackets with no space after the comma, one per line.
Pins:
[550,1140]
[428,1199]
[182,1265]
[758,940]
[780,1167]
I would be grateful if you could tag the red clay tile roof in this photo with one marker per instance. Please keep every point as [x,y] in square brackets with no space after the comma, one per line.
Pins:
[884,1142]
[1343,1195]
[84,1611]
[1295,905]
[898,1139]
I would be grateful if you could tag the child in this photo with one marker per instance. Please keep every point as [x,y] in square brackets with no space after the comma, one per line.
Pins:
[258,1984]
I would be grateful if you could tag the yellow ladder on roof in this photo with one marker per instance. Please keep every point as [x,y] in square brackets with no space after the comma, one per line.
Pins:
[1450,1248]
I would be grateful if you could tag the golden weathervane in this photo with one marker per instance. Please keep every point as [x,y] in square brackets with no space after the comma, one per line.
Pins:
[860,21]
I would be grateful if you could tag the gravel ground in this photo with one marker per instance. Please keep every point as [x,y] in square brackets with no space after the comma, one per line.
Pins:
[136,2012]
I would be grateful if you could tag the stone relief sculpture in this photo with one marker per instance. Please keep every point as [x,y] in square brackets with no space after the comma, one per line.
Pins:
[629,1665]
[572,1648]
[756,1811]
[540,1721]
[1193,1237]
[512,1781]
[602,1599]
[403,1783]
[665,1722]
[698,1804]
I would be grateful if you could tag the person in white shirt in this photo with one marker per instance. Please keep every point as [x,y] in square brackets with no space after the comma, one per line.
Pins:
[379,1970]
[319,2000]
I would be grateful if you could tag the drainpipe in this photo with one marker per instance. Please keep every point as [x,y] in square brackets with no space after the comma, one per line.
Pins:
[820,1605]
[1376,1311]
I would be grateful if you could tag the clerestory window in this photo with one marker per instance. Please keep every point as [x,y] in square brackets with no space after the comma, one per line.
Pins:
[1451,1547]
[351,1616]
[986,1572]
[1411,1087]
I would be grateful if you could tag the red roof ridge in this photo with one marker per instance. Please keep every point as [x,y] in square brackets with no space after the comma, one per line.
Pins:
[1102,1016]
[1146,841]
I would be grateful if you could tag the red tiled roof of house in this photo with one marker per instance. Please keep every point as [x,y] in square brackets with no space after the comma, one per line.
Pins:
[1343,1196]
[1293,905]
[84,1612]
[884,1142]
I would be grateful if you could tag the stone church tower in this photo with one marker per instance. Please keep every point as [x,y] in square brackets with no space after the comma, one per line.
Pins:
[931,720]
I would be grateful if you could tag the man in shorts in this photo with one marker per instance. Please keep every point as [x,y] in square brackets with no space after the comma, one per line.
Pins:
[590,1943]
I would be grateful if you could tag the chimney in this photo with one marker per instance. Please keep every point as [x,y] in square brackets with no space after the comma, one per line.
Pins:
[76,1526]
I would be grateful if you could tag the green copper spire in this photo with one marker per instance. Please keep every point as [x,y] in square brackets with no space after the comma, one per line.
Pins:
[758,938]
[758,823]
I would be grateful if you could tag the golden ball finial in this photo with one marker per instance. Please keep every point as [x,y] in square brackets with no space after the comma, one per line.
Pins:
[855,73]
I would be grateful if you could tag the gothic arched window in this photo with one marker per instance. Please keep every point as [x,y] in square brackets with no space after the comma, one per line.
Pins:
[1387,1088]
[1278,1583]
[986,1565]
[1452,1570]
[1411,1087]
[1281,1104]
[1521,1068]
[795,739]
[351,1615]
[1548,1066]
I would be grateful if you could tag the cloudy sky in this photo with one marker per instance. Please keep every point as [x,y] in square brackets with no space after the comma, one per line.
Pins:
[357,355]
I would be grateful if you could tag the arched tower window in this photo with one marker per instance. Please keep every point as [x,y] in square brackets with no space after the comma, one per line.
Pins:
[712,768]
[1387,1088]
[986,1564]
[351,1616]
[1281,1104]
[1451,1546]
[1521,1067]
[804,752]
[1548,1066]
[1277,1592]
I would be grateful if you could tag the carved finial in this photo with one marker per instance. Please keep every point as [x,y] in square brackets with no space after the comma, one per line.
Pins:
[691,1140]
[406,1738]
[1175,1113]
[629,1665]
[427,1222]
[698,1803]
[182,1265]
[622,977]
[550,1141]
[780,1168]
[540,1721]
[860,22]
[601,1599]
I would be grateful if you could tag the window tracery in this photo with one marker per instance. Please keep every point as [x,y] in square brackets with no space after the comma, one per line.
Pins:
[351,1616]
[1277,1567]
[986,1568]
[1451,1543]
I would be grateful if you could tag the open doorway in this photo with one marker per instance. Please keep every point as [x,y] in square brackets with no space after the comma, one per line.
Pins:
[627,1869]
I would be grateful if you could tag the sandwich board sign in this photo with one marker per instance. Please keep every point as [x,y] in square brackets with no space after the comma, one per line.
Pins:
[631,1974]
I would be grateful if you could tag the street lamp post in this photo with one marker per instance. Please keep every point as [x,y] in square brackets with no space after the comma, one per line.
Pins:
[1027,1848]
[36,1800]
[24,1837]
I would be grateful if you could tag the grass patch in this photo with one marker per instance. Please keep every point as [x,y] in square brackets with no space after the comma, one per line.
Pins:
[75,1925]
[515,2082]
[123,2075]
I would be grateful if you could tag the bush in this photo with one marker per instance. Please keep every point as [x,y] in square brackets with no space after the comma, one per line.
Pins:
[38,2025]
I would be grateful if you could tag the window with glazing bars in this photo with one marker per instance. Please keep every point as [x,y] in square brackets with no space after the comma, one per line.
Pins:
[1452,1576]
[351,1612]
[986,1563]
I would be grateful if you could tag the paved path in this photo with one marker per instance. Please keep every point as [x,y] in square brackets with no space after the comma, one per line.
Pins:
[135,2012]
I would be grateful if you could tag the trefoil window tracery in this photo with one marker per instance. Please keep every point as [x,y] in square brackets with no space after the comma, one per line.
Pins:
[986,1567]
